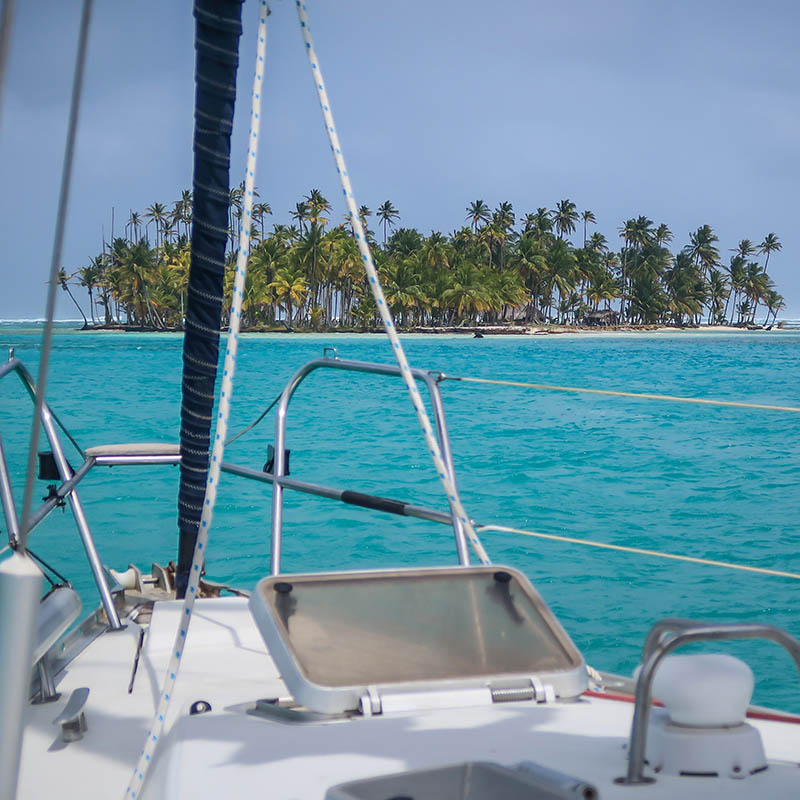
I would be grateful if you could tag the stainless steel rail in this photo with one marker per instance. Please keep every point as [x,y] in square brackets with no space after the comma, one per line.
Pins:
[66,474]
[9,506]
[665,637]
[67,490]
[279,467]
[353,498]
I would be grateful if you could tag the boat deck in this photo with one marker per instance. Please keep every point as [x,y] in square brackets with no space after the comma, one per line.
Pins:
[225,663]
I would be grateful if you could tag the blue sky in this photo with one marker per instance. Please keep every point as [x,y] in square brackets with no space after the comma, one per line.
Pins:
[686,112]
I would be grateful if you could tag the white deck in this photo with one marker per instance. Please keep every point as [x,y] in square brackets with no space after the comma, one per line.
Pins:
[229,753]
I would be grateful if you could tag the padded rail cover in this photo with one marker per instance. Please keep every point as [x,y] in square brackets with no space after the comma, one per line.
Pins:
[336,636]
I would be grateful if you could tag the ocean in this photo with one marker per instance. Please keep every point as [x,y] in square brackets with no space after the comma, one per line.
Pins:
[712,482]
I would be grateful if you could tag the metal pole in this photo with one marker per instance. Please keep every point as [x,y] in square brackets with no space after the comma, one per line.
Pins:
[6,20]
[279,464]
[279,470]
[644,684]
[58,240]
[66,474]
[51,503]
[7,496]
[408,509]
[462,548]
[20,587]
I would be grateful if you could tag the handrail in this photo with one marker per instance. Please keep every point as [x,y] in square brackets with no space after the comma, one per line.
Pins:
[666,636]
[279,467]
[13,364]
[389,505]
[69,478]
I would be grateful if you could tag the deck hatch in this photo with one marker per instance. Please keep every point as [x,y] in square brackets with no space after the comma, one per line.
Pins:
[336,637]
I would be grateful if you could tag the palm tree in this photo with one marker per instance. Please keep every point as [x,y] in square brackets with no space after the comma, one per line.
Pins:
[64,279]
[260,210]
[565,217]
[685,287]
[363,213]
[132,228]
[718,291]
[290,289]
[598,242]
[485,272]
[770,244]
[387,214]
[157,213]
[560,273]
[478,211]
[540,223]
[301,215]
[318,206]
[503,216]
[736,270]
[701,247]
[90,278]
[587,216]
[184,207]
[744,249]
[756,286]
[504,219]
[662,235]
[775,302]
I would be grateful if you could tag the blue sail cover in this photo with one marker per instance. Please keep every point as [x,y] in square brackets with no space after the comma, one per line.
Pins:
[218,28]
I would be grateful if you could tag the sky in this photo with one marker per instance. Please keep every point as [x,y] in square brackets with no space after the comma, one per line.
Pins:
[684,111]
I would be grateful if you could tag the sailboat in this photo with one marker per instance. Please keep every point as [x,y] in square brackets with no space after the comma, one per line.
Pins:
[442,682]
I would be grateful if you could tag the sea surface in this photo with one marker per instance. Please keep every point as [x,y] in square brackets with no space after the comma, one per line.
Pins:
[712,482]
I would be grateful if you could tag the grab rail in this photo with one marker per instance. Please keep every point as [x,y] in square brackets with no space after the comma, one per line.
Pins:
[666,636]
[279,466]
[68,477]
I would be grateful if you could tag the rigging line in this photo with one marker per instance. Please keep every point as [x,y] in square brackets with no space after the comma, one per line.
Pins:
[643,396]
[6,22]
[642,552]
[66,433]
[58,240]
[226,391]
[255,422]
[460,516]
[48,567]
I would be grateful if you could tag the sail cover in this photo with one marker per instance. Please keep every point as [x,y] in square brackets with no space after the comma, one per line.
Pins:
[218,28]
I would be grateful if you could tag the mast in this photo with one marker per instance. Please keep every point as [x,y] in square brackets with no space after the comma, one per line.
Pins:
[217,32]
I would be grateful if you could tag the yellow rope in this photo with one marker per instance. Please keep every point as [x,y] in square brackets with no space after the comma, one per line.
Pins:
[640,551]
[668,397]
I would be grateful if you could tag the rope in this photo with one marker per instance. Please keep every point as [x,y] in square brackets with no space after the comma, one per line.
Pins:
[46,566]
[255,422]
[226,391]
[644,396]
[642,552]
[58,240]
[377,292]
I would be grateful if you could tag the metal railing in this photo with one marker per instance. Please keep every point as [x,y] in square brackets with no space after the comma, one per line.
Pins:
[68,479]
[66,491]
[664,637]
[431,381]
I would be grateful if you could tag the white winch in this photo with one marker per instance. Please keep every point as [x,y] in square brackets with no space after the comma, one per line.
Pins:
[701,731]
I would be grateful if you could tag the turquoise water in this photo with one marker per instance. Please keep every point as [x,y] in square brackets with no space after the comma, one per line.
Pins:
[718,483]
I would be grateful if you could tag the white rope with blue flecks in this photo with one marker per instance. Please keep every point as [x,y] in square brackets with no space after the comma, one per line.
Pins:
[377,291]
[226,390]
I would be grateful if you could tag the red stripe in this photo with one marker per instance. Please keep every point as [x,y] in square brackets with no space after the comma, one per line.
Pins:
[772,716]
